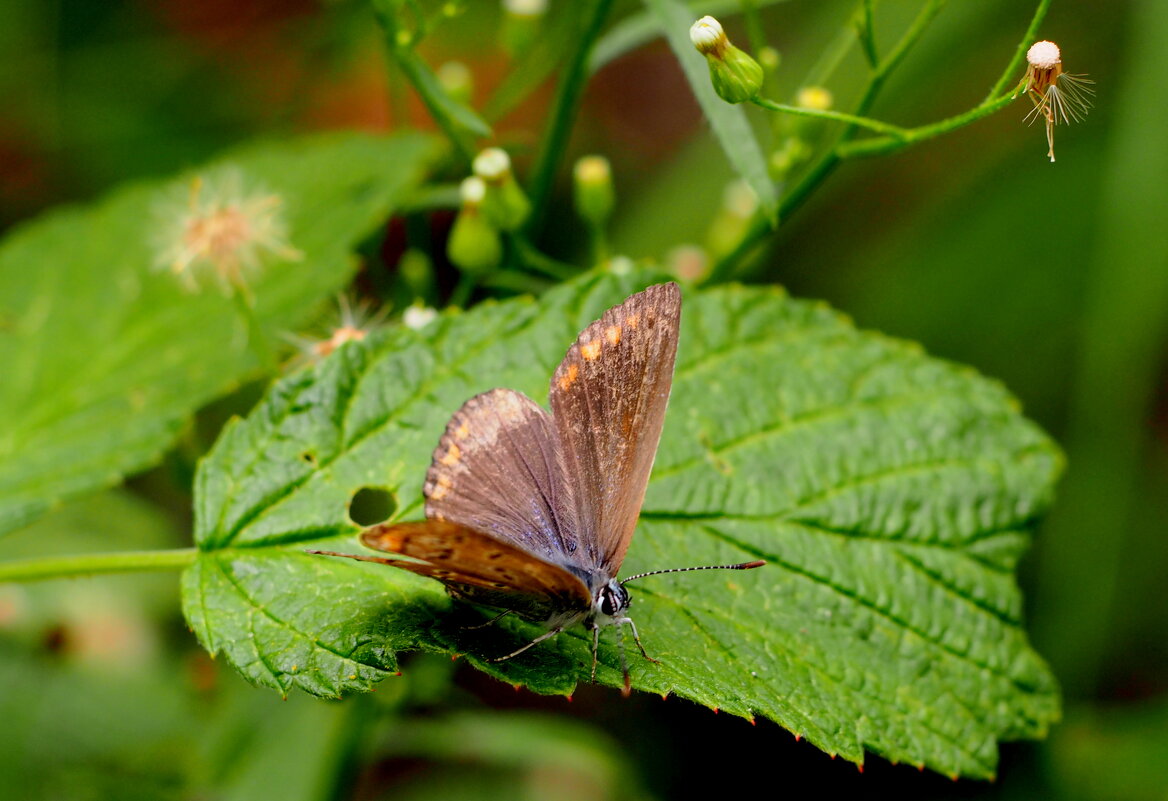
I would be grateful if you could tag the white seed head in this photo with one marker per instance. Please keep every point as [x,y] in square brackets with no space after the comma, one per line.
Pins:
[1043,55]
[472,190]
[492,164]
[707,35]
[218,225]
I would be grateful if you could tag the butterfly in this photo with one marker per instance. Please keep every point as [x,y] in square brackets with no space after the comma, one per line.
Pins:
[531,512]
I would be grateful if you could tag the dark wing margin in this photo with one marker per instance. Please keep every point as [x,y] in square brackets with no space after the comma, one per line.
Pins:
[608,399]
[499,469]
[482,569]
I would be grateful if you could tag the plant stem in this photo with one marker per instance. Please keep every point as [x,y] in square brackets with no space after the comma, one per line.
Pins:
[1020,54]
[431,197]
[53,567]
[567,101]
[909,136]
[463,290]
[530,257]
[866,27]
[839,116]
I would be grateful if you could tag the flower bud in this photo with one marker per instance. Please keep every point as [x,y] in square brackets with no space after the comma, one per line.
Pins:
[522,20]
[457,81]
[816,98]
[593,191]
[474,245]
[504,204]
[735,75]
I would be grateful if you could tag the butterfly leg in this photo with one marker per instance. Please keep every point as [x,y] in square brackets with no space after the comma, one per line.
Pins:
[595,648]
[627,690]
[545,636]
[495,619]
[637,639]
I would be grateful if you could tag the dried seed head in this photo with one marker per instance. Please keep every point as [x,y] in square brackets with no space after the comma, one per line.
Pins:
[221,228]
[1058,97]
[352,323]
[1043,55]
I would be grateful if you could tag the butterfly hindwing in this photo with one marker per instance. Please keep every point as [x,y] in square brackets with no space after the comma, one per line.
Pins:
[482,568]
[608,399]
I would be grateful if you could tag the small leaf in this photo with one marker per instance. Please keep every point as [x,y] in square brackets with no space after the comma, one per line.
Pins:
[728,121]
[892,495]
[105,355]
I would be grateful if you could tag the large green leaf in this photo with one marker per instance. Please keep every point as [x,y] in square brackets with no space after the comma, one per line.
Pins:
[891,494]
[104,355]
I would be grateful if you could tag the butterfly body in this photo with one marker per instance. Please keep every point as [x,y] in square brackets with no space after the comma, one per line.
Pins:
[532,512]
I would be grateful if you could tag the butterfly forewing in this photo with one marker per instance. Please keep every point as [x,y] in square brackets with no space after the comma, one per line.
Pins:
[482,568]
[499,469]
[608,400]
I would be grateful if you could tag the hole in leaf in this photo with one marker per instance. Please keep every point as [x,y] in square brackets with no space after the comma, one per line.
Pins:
[371,505]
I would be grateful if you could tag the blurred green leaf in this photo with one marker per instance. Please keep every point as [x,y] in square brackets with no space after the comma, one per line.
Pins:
[891,493]
[104,355]
[728,121]
[1112,752]
[555,758]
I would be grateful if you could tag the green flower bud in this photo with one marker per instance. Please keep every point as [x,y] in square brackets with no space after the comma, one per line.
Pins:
[458,82]
[736,76]
[593,191]
[474,245]
[522,20]
[504,204]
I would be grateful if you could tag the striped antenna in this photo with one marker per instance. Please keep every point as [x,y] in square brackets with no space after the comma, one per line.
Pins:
[740,566]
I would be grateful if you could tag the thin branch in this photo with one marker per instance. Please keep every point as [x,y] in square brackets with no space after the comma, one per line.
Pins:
[838,116]
[1020,54]
[53,567]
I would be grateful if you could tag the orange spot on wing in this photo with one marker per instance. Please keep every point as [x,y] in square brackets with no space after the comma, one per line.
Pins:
[590,350]
[632,321]
[462,432]
[613,334]
[569,377]
[452,456]
[441,488]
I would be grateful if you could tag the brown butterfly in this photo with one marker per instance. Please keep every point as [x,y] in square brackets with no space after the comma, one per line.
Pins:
[531,512]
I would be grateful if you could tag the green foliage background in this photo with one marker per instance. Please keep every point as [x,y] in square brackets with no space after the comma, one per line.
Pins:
[1050,278]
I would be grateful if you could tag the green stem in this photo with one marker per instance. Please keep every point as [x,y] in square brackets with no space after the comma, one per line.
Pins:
[463,290]
[867,30]
[530,257]
[567,101]
[431,197]
[909,136]
[839,116]
[261,346]
[1020,54]
[53,567]
[460,124]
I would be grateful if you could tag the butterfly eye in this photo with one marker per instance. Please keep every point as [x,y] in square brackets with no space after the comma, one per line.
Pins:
[614,599]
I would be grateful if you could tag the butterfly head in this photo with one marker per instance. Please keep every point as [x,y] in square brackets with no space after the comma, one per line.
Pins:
[610,603]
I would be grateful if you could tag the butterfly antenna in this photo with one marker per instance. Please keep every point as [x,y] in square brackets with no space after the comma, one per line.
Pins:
[740,566]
